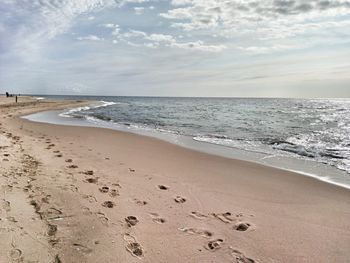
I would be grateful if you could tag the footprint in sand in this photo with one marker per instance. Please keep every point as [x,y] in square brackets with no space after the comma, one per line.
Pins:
[113,193]
[242,226]
[131,220]
[140,202]
[224,217]
[198,215]
[52,229]
[15,254]
[57,151]
[58,155]
[46,199]
[239,257]
[196,231]
[88,172]
[179,199]
[104,189]
[11,219]
[133,246]
[102,217]
[163,187]
[108,204]
[68,160]
[5,205]
[91,180]
[73,188]
[157,219]
[214,244]
[131,170]
[72,166]
[82,248]
[90,198]
[53,213]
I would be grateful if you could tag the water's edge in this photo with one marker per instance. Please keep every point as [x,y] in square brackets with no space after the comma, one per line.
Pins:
[312,169]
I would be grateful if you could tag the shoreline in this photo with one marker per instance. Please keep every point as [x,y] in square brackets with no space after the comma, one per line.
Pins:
[101,195]
[310,168]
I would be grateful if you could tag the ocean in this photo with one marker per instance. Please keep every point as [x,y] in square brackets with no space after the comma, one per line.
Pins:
[312,130]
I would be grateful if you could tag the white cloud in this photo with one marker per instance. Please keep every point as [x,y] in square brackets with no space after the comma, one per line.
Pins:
[266,49]
[181,2]
[237,15]
[134,33]
[110,25]
[199,45]
[37,21]
[139,10]
[272,23]
[91,38]
[158,40]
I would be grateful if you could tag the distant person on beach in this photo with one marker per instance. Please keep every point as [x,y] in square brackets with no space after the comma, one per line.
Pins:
[7,94]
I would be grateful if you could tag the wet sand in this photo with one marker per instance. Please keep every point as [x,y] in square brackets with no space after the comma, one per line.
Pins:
[79,194]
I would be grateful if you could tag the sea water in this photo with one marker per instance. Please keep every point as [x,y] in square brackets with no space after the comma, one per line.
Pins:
[316,130]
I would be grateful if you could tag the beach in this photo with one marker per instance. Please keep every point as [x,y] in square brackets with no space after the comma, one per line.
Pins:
[85,194]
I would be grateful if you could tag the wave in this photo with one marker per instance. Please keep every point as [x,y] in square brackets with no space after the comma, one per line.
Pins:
[71,113]
[243,144]
[332,156]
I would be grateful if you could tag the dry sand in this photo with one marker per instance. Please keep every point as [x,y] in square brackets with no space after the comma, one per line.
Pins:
[78,194]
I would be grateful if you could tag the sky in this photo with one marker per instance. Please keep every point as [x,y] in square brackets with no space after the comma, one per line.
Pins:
[233,48]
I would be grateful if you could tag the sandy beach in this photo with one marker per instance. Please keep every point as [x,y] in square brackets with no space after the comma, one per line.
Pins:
[80,194]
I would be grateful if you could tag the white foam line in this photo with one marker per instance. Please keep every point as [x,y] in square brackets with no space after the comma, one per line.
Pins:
[68,113]
[268,157]
[320,178]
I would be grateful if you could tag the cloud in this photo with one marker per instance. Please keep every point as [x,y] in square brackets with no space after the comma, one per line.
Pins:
[33,23]
[160,38]
[199,45]
[91,38]
[139,10]
[270,23]
[236,14]
[110,25]
[266,49]
[36,21]
[193,45]
[140,38]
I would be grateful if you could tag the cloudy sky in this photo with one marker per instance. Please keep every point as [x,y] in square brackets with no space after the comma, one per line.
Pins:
[269,48]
